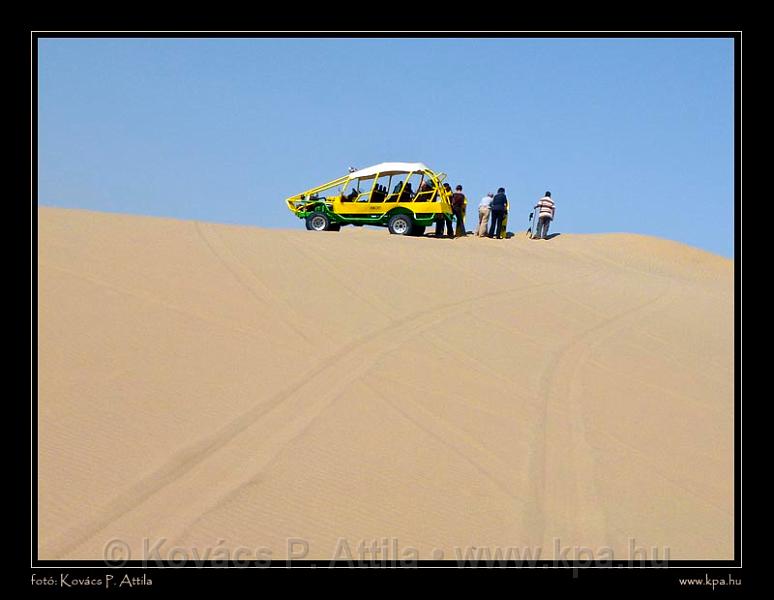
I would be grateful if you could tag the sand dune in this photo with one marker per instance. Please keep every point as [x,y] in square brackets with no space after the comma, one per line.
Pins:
[234,387]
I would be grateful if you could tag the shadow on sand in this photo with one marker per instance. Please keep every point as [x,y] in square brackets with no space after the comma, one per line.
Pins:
[550,236]
[508,235]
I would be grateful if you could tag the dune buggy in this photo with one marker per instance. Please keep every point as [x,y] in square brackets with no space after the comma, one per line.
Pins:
[404,197]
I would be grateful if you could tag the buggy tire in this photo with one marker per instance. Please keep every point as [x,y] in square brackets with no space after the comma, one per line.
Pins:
[318,221]
[400,224]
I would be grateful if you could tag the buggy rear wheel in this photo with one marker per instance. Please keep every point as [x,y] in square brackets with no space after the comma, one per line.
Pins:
[318,222]
[400,224]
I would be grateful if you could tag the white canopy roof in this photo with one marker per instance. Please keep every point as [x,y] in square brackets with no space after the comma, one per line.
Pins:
[389,168]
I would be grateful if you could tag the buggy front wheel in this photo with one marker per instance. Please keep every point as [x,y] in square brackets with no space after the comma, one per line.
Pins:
[318,222]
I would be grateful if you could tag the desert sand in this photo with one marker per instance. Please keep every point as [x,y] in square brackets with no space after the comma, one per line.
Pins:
[226,387]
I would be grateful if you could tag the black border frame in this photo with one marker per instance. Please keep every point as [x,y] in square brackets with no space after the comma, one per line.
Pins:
[538,569]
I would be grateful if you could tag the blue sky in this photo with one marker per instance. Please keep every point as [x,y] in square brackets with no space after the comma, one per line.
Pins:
[630,135]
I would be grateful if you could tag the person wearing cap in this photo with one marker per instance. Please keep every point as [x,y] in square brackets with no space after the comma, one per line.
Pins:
[498,207]
[458,207]
[546,210]
[483,214]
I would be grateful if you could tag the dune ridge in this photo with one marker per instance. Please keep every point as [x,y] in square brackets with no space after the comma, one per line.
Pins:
[219,386]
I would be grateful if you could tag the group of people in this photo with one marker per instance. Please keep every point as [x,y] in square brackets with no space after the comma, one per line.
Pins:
[494,208]
[492,213]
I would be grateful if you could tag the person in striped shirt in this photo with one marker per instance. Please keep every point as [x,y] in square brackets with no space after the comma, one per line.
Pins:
[546,210]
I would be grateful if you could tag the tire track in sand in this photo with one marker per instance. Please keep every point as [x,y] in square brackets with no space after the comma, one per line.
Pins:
[565,505]
[328,376]
[247,279]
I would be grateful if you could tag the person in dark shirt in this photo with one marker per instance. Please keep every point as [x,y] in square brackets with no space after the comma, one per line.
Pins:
[458,207]
[498,206]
